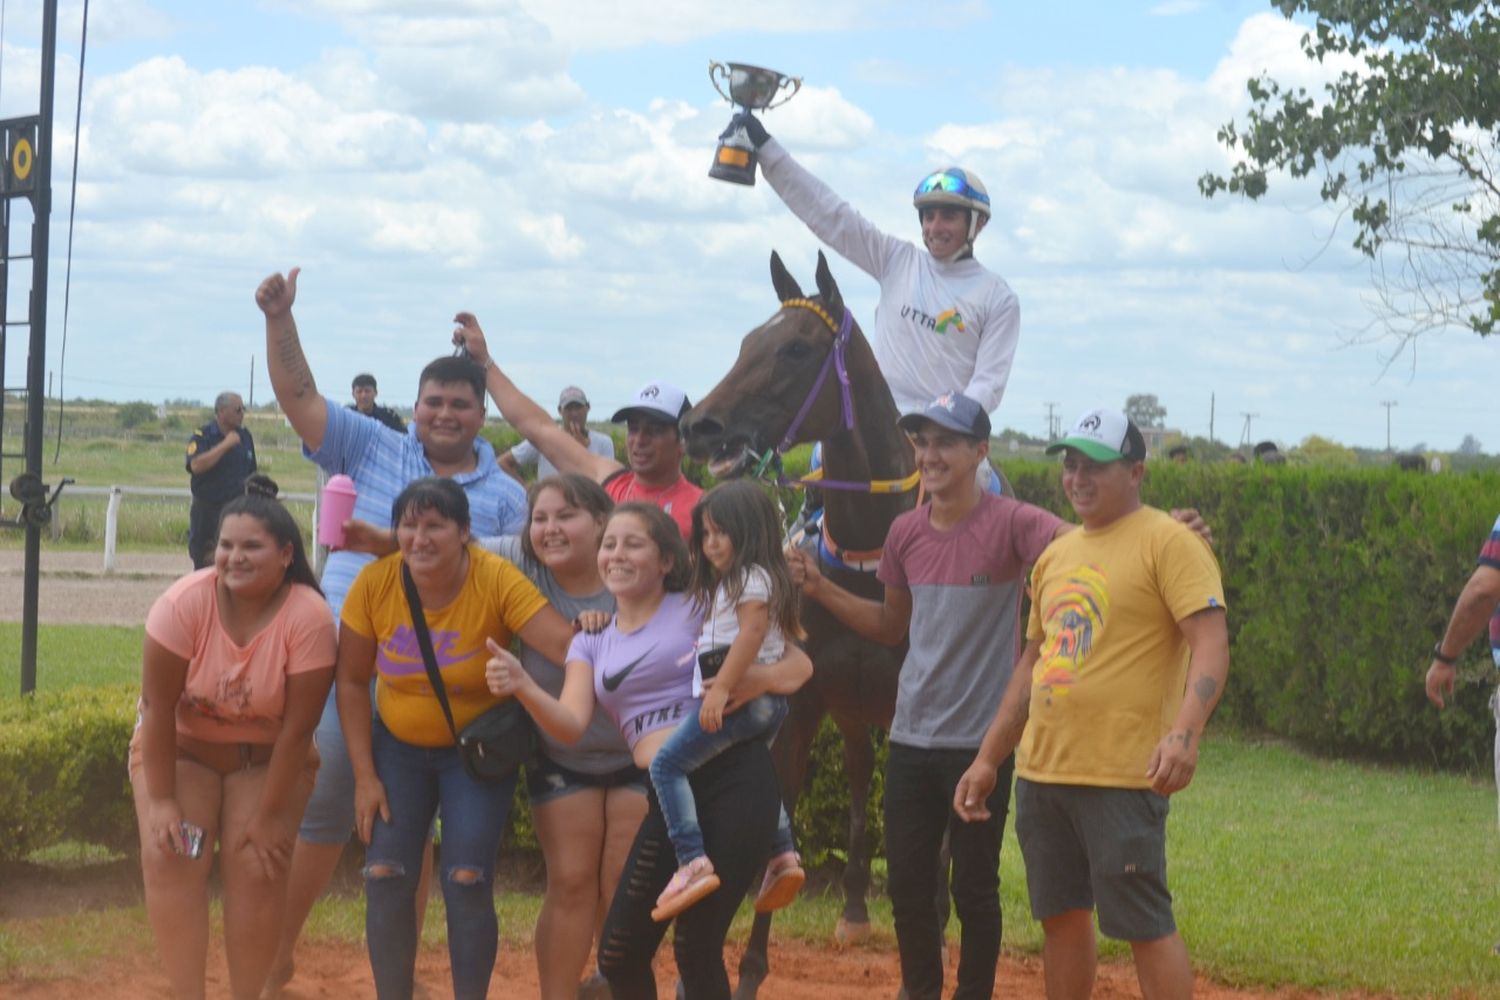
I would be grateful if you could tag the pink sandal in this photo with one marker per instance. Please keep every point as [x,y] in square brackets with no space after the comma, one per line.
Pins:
[784,878]
[692,882]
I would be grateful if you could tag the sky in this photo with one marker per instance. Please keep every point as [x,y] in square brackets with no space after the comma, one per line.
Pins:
[543,163]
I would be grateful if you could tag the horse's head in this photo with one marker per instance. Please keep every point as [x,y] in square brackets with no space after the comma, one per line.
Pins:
[755,404]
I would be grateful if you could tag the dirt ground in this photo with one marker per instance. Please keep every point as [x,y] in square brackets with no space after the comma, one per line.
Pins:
[799,970]
[75,590]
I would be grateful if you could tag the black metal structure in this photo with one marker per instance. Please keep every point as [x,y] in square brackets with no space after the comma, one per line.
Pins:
[27,173]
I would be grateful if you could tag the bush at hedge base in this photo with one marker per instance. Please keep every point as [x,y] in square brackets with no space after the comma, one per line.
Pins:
[1338,582]
[62,769]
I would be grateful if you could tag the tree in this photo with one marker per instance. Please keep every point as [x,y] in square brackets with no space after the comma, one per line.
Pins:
[1408,148]
[1470,446]
[1145,411]
[1315,450]
[132,415]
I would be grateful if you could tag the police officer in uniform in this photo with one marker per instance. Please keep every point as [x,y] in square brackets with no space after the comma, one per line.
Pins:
[220,456]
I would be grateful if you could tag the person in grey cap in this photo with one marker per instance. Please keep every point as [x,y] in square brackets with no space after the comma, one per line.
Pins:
[952,571]
[653,440]
[573,407]
[1127,653]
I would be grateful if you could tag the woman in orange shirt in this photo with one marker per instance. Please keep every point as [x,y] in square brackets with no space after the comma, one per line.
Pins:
[237,663]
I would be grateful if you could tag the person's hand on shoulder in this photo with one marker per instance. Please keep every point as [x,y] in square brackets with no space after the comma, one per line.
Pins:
[592,622]
[1189,518]
[276,294]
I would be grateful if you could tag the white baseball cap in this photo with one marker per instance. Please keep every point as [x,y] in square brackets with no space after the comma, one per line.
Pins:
[1104,435]
[656,401]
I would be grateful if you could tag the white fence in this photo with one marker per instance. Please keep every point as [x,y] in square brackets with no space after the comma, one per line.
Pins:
[117,495]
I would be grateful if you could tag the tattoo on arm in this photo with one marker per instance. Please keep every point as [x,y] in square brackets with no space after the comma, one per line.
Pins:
[1205,689]
[1185,738]
[289,349]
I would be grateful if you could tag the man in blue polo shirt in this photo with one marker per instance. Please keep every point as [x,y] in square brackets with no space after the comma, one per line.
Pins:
[220,456]
[443,440]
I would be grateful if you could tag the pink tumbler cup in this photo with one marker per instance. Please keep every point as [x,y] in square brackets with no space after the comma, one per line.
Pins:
[336,507]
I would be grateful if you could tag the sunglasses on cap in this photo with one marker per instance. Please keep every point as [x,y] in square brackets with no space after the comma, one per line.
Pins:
[952,184]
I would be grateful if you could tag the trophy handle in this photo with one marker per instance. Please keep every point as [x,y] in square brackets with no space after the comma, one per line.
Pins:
[795,82]
[715,71]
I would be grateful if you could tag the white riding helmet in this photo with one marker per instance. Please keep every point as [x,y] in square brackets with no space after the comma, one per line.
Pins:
[953,186]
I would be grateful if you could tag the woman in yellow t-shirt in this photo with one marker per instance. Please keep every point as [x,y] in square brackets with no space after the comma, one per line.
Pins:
[405,763]
[236,667]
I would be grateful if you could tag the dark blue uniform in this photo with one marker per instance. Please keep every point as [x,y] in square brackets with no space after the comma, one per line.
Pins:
[385,415]
[215,487]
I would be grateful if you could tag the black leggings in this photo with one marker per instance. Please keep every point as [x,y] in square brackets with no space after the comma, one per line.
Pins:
[738,799]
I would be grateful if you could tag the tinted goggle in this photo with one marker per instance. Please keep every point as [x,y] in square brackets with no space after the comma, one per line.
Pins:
[952,184]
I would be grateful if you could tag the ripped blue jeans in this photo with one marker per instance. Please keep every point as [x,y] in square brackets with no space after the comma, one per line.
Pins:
[417,780]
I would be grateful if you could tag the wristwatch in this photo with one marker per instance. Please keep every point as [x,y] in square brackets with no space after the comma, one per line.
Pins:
[1442,657]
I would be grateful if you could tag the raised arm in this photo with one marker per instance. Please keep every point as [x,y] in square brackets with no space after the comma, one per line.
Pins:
[885,621]
[525,415]
[1176,757]
[291,379]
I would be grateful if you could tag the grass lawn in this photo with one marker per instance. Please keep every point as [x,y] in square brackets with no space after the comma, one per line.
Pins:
[72,655]
[1286,870]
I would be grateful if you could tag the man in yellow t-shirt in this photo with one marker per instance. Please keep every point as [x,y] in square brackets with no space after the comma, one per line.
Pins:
[1127,652]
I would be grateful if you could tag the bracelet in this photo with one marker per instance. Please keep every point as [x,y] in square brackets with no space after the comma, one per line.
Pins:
[1442,657]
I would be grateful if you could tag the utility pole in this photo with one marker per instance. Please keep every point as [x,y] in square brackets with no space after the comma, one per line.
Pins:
[1245,434]
[1210,417]
[1052,431]
[1388,403]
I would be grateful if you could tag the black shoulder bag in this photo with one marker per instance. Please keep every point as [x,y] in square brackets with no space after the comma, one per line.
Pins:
[498,741]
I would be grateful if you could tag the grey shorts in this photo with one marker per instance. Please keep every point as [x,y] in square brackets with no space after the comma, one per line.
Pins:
[546,779]
[1102,849]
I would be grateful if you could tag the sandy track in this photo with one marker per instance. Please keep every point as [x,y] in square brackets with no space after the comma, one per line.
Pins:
[74,589]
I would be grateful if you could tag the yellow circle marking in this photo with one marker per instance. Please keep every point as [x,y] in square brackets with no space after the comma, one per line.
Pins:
[21,158]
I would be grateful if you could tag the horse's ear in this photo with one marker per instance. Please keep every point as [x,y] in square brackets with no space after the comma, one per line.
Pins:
[786,286]
[828,289]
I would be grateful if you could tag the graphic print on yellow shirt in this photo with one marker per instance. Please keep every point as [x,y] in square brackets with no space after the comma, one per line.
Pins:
[1075,619]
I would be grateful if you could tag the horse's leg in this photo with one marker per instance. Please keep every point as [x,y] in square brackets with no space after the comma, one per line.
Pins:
[791,752]
[859,766]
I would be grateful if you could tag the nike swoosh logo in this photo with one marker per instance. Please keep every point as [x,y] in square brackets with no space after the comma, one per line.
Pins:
[613,682]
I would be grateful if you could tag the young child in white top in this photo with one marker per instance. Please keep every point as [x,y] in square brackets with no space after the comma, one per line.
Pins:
[740,576]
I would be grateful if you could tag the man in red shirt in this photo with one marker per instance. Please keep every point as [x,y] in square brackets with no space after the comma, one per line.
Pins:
[653,441]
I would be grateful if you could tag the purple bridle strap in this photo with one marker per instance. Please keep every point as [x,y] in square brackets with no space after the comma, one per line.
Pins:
[835,360]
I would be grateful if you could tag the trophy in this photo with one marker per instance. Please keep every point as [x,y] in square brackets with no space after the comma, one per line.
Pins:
[753,89]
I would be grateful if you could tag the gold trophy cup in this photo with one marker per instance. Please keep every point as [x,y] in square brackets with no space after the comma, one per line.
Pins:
[753,89]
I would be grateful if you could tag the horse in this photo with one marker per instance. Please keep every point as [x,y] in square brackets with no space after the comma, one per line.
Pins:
[777,394]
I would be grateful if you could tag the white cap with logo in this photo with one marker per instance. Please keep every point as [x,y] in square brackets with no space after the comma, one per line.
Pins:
[655,401]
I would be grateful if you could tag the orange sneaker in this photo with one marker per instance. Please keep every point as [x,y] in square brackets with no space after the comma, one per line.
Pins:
[784,878]
[692,882]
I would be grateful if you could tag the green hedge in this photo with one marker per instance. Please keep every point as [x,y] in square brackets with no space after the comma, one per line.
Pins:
[1338,582]
[62,768]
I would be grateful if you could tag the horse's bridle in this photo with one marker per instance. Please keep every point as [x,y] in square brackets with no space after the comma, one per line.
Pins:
[836,361]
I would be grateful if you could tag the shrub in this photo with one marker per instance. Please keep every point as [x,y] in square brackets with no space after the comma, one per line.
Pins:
[132,415]
[62,769]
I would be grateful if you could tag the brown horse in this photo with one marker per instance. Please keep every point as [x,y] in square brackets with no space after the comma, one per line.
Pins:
[775,393]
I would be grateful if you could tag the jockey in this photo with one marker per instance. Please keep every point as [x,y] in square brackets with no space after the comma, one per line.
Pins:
[943,321]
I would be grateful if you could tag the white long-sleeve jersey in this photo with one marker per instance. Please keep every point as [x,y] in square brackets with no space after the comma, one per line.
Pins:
[939,326]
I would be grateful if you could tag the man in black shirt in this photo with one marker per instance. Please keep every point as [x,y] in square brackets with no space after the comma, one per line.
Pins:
[220,456]
[364,402]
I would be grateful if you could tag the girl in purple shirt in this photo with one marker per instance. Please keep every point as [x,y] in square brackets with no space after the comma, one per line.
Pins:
[640,669]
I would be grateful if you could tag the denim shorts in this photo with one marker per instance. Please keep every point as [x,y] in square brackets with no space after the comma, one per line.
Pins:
[1091,848]
[546,779]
